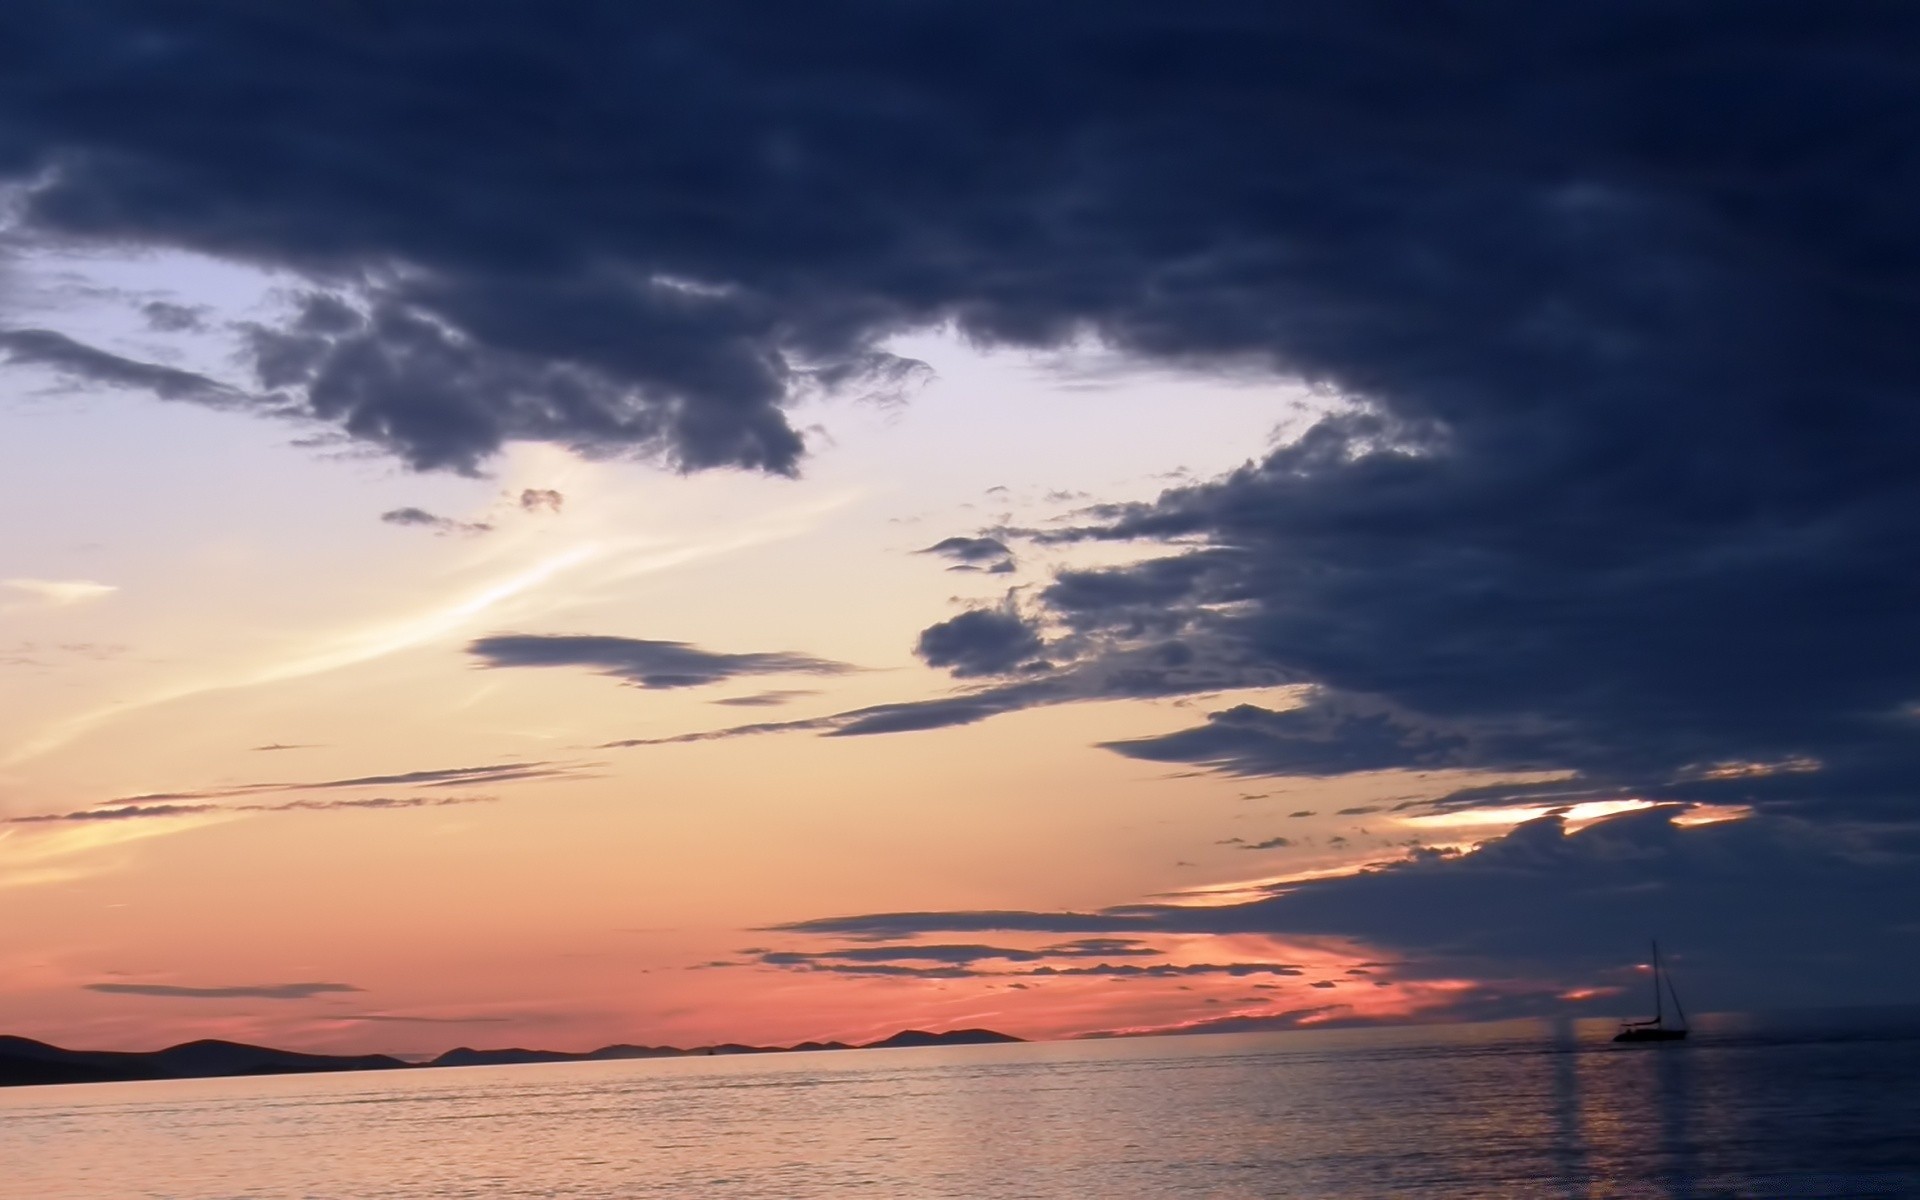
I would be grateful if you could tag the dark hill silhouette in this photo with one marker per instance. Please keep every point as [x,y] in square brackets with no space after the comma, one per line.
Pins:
[957,1037]
[203,1059]
[25,1062]
[466,1056]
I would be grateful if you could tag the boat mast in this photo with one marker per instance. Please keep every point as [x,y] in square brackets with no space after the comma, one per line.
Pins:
[1659,1013]
[1674,992]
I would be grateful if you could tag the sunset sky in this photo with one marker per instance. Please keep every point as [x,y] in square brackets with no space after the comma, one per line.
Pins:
[582,523]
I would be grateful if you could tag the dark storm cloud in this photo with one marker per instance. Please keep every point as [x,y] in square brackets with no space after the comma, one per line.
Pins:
[251,991]
[641,662]
[645,228]
[1619,298]
[439,524]
[1769,910]
[974,554]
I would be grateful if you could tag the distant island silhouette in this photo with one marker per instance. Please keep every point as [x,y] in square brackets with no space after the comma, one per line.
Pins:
[27,1063]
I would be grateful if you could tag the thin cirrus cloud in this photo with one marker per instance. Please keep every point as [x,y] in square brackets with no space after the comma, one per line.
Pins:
[168,810]
[57,593]
[432,777]
[328,654]
[643,662]
[247,991]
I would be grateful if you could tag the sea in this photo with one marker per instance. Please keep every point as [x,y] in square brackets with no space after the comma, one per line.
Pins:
[1822,1106]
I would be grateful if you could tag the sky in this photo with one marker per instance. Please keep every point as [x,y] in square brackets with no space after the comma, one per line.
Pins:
[585,523]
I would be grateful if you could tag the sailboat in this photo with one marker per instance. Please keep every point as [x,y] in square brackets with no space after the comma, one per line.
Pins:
[1657,1029]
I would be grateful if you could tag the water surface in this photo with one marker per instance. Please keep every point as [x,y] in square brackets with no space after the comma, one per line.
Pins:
[1746,1109]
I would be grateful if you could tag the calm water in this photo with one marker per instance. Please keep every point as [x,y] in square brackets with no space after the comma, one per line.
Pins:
[1520,1110]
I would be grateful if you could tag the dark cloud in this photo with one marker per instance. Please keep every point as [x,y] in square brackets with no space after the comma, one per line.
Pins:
[980,641]
[251,991]
[891,926]
[959,962]
[953,955]
[974,554]
[1103,947]
[950,955]
[694,212]
[1158,669]
[643,663]
[1272,843]
[1315,739]
[439,524]
[541,500]
[1768,911]
[85,364]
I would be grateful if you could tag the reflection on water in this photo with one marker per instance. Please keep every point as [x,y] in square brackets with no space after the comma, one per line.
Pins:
[1517,1110]
[1672,1071]
[1569,1146]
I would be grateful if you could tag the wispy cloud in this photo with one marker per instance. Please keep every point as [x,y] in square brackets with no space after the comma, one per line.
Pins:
[768,699]
[117,811]
[399,1019]
[57,593]
[245,991]
[440,525]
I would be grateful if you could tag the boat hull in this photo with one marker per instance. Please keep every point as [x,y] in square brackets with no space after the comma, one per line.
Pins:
[1650,1035]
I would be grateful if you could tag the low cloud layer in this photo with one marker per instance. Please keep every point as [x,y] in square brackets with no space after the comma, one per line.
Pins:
[1764,911]
[641,662]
